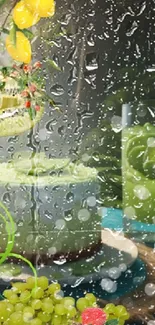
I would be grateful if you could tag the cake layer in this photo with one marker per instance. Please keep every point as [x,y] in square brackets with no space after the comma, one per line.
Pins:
[54,214]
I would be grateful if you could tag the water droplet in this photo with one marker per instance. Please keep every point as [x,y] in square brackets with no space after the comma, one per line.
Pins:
[52,251]
[141,192]
[116,123]
[83,215]
[91,40]
[70,197]
[91,62]
[151,142]
[114,273]
[150,289]
[60,224]
[132,29]
[43,135]
[91,201]
[130,212]
[6,198]
[11,228]
[108,285]
[57,90]
[122,267]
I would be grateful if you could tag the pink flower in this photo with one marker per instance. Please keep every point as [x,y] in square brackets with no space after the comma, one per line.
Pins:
[32,88]
[93,316]
[27,68]
[37,65]
[37,108]
[25,93]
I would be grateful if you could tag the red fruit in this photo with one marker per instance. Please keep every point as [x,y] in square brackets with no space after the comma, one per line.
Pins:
[28,104]
[32,88]
[93,316]
[37,64]
[37,108]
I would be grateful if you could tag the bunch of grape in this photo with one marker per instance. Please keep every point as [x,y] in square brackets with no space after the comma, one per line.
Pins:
[116,312]
[38,303]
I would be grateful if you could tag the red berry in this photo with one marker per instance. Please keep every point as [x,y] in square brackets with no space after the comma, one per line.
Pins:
[93,316]
[32,88]
[28,104]
[37,108]
[37,64]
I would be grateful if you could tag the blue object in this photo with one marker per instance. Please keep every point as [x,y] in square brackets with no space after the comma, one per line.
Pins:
[112,218]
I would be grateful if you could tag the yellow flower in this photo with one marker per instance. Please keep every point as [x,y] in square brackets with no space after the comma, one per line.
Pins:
[22,17]
[44,8]
[22,51]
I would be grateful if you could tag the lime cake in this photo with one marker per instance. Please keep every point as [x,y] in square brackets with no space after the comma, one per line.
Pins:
[53,205]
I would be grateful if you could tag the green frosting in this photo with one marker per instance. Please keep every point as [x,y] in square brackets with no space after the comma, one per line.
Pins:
[39,170]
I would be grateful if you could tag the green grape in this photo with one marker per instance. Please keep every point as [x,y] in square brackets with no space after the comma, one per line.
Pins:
[54,287]
[4,313]
[36,304]
[47,306]
[29,309]
[64,320]
[110,317]
[37,293]
[81,304]
[60,309]
[56,320]
[121,322]
[68,301]
[7,293]
[91,299]
[13,299]
[19,306]
[16,318]
[30,282]
[25,296]
[35,321]
[57,297]
[71,312]
[42,282]
[19,287]
[109,308]
[44,317]
[121,312]
[10,308]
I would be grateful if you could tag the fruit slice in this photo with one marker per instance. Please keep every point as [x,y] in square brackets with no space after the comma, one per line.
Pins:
[149,162]
[39,164]
[135,158]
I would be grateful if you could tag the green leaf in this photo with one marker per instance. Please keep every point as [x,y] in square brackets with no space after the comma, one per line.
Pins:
[2,85]
[54,65]
[112,322]
[28,34]
[32,113]
[13,33]
[2,2]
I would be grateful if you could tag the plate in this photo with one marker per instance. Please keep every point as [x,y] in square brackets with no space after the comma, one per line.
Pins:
[116,255]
